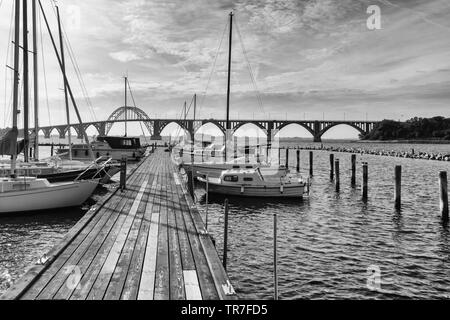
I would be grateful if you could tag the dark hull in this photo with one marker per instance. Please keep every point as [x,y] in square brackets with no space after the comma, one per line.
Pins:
[73,174]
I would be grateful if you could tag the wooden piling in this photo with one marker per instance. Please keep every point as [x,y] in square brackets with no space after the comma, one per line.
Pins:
[353,179]
[332,164]
[311,163]
[338,182]
[298,160]
[225,236]
[123,173]
[443,187]
[247,149]
[235,146]
[207,202]
[398,187]
[365,181]
[52,149]
[275,256]
[287,158]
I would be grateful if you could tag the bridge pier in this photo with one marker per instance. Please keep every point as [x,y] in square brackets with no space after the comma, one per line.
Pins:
[156,131]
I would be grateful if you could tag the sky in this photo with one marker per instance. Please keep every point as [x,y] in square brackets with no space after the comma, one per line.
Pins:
[295,59]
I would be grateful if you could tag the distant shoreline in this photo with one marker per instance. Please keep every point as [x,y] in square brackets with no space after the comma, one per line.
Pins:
[406,141]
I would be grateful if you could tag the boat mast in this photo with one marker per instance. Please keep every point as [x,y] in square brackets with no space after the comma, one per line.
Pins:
[35,84]
[16,82]
[229,84]
[66,81]
[126,111]
[66,98]
[26,98]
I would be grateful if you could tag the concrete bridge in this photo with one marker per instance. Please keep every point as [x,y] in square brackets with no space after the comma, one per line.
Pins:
[317,128]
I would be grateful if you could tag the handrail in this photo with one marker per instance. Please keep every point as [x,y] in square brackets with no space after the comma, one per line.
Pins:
[94,163]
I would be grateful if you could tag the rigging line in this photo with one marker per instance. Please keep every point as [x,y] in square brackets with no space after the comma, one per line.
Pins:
[214,66]
[76,68]
[43,68]
[252,76]
[135,106]
[7,104]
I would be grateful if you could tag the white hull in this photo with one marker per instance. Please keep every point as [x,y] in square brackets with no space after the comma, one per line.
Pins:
[49,196]
[292,191]
[214,170]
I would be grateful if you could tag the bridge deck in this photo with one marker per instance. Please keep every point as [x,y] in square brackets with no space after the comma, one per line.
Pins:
[144,243]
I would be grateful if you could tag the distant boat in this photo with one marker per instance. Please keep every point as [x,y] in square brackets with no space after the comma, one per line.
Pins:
[107,146]
[252,183]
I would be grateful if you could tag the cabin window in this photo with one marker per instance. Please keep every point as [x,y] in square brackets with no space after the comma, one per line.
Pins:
[127,143]
[236,167]
[249,167]
[248,179]
[86,153]
[231,178]
[75,153]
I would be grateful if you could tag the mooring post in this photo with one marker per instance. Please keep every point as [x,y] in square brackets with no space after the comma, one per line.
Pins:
[279,156]
[298,160]
[225,236]
[311,164]
[365,180]
[207,194]
[353,181]
[235,146]
[123,173]
[398,187]
[247,149]
[287,158]
[275,257]
[443,195]
[51,149]
[192,173]
[338,181]
[332,166]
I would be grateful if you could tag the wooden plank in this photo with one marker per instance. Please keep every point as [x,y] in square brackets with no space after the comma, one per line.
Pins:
[95,259]
[89,248]
[115,286]
[98,290]
[177,291]
[131,286]
[206,281]
[191,285]
[162,288]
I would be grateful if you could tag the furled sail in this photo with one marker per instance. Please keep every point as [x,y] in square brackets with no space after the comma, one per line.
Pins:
[9,142]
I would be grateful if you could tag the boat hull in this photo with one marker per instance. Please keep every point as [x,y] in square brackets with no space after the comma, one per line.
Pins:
[293,191]
[61,195]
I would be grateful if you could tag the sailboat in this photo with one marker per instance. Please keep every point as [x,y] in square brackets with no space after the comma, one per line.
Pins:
[109,146]
[216,165]
[52,169]
[22,193]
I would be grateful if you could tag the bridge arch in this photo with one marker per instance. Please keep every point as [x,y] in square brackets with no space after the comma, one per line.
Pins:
[133,114]
[213,122]
[255,123]
[301,124]
[182,124]
[335,124]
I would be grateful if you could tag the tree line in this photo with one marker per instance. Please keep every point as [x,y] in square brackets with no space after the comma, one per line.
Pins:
[436,128]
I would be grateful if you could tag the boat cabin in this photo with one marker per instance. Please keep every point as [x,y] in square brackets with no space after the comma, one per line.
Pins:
[121,142]
[241,177]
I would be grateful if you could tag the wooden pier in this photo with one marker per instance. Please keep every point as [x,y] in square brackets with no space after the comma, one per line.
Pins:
[145,243]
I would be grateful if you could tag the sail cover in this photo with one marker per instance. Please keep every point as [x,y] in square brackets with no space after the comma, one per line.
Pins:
[8,142]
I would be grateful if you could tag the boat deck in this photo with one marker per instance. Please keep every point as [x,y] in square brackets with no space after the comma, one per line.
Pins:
[145,243]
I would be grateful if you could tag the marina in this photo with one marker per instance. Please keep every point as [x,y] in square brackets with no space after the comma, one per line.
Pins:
[253,151]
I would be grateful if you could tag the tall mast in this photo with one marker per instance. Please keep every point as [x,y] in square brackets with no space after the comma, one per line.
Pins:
[16,81]
[26,98]
[66,98]
[229,83]
[35,83]
[126,111]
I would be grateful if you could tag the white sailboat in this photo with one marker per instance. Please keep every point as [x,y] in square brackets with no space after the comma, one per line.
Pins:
[22,193]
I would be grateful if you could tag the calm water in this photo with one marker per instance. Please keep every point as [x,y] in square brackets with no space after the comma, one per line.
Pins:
[325,242]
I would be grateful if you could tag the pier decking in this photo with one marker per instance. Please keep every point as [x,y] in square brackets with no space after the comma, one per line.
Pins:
[147,242]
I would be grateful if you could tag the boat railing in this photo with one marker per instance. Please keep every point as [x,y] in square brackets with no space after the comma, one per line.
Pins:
[97,165]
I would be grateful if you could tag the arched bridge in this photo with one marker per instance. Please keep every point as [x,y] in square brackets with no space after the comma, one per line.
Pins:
[317,128]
